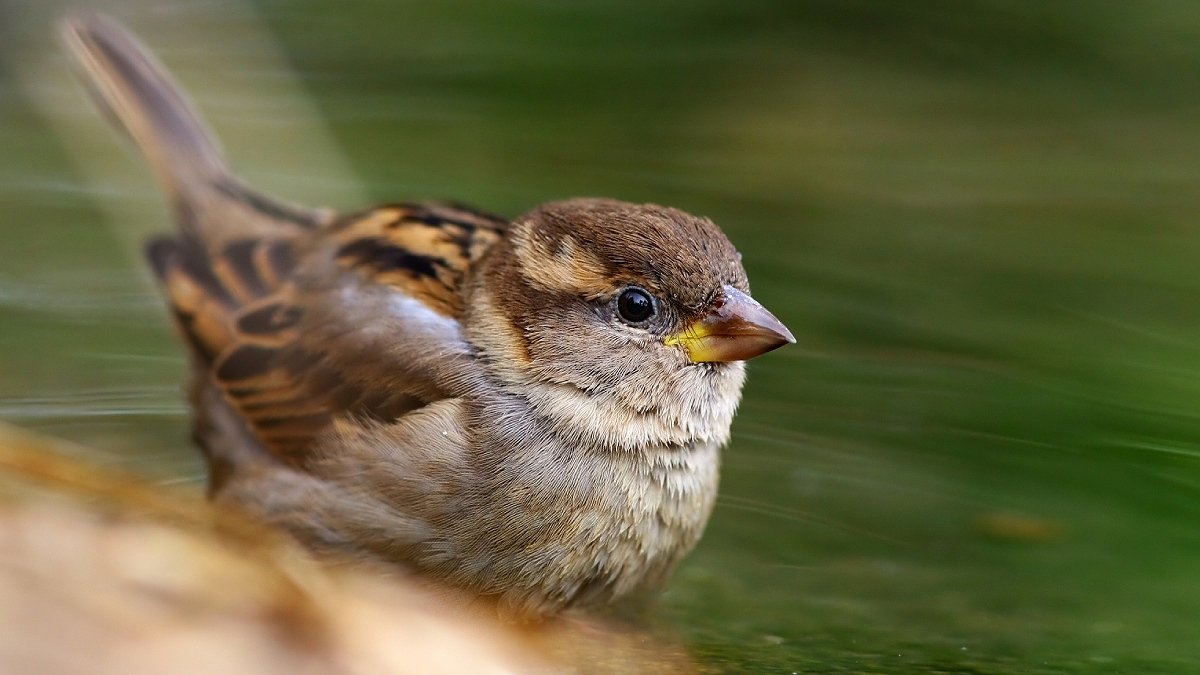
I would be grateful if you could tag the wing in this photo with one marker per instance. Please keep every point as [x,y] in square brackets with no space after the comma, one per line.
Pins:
[360,318]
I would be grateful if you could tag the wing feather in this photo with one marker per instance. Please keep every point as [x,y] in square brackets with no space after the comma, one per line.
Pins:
[358,319]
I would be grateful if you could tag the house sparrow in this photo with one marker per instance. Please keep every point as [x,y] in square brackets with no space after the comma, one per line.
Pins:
[531,410]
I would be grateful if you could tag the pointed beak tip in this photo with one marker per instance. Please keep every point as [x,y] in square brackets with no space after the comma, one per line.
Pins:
[787,335]
[779,339]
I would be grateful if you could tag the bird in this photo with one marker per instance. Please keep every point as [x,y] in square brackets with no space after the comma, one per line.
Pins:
[530,410]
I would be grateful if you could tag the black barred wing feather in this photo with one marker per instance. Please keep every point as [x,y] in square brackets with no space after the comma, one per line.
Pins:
[424,249]
[359,318]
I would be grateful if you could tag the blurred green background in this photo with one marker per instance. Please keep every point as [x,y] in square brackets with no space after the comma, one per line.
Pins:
[981,219]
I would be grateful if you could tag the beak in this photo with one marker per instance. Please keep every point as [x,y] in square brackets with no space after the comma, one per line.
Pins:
[736,329]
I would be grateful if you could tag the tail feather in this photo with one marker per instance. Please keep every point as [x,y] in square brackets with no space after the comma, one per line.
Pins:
[131,87]
[134,90]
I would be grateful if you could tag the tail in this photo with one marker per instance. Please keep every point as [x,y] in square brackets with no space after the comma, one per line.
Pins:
[213,207]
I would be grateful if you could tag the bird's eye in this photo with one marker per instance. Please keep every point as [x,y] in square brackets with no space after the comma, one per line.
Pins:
[635,305]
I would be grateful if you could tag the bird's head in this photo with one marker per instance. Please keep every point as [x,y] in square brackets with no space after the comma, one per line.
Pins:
[625,324]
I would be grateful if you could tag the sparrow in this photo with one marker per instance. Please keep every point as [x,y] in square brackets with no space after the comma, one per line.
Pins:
[531,410]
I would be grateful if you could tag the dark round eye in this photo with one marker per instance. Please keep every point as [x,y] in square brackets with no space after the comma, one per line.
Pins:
[635,305]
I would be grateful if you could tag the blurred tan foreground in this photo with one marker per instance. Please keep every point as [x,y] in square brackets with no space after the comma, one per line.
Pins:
[101,573]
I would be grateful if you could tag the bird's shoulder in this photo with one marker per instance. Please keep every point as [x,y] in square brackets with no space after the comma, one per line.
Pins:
[422,249]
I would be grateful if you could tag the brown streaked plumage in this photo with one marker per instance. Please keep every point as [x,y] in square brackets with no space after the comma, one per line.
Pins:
[530,410]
